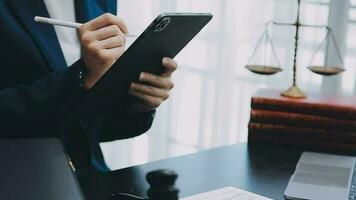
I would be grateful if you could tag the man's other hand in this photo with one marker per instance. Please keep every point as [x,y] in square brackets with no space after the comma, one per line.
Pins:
[103,42]
[152,90]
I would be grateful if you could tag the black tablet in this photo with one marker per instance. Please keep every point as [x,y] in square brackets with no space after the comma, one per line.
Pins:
[166,36]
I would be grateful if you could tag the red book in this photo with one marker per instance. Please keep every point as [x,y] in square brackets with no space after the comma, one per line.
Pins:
[341,107]
[300,133]
[304,144]
[302,120]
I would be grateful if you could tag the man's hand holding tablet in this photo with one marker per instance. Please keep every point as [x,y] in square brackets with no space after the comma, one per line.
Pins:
[103,42]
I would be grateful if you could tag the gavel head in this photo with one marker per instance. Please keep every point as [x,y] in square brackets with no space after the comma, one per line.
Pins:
[162,185]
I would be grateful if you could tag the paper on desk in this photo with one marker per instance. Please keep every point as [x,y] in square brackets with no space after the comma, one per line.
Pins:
[228,193]
[321,177]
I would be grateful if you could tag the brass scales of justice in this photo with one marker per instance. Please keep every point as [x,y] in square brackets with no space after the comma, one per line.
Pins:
[294,91]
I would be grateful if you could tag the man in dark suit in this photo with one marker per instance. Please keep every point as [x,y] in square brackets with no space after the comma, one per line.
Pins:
[40,92]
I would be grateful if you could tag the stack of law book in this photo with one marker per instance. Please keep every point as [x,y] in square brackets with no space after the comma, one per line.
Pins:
[318,122]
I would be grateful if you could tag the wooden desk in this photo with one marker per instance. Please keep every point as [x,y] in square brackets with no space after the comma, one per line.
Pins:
[262,169]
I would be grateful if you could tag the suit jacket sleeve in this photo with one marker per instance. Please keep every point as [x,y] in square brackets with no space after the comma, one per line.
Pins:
[110,118]
[42,108]
[39,107]
[115,126]
[113,121]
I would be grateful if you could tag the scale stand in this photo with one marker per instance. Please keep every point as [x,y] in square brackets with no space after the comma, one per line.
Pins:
[294,91]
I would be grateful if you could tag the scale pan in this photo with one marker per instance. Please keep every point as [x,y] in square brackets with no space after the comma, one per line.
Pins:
[326,70]
[263,69]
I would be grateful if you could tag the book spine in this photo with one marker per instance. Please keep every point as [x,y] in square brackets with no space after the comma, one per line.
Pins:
[304,108]
[303,144]
[302,120]
[299,133]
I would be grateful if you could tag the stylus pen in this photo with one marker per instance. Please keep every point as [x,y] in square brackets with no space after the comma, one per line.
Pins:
[57,22]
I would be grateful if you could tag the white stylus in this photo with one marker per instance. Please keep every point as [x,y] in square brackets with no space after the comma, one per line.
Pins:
[57,22]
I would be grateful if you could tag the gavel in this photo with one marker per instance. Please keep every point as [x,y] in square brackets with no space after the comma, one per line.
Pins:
[162,187]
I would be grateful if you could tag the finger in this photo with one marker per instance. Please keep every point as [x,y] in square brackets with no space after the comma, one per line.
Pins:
[107,32]
[109,56]
[150,90]
[157,81]
[154,102]
[106,20]
[113,42]
[169,66]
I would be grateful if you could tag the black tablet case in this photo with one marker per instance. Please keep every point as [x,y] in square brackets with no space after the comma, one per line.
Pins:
[36,169]
[145,55]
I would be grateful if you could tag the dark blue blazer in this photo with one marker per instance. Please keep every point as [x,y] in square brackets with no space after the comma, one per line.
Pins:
[39,93]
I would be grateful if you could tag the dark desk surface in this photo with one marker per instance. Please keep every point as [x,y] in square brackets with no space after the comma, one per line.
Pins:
[262,169]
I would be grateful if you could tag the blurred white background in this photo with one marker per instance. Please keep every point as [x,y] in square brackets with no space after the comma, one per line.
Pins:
[210,104]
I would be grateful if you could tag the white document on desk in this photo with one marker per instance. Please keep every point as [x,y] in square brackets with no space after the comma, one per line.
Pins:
[228,193]
[321,177]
